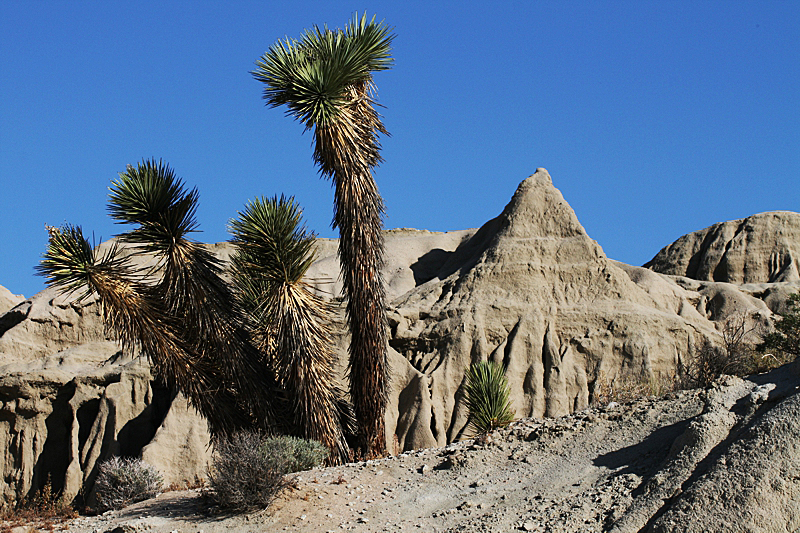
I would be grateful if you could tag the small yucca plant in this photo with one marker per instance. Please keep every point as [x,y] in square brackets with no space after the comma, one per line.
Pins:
[488,398]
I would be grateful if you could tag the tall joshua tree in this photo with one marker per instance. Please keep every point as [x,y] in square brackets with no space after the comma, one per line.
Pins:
[325,80]
[273,254]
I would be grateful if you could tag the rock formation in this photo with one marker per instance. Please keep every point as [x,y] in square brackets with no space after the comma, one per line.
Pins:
[529,289]
[8,299]
[763,248]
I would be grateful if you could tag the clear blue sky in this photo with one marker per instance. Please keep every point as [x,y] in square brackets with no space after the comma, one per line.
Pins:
[654,119]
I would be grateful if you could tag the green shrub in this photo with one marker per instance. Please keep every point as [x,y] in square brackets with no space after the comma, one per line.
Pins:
[488,398]
[743,337]
[248,469]
[293,454]
[122,481]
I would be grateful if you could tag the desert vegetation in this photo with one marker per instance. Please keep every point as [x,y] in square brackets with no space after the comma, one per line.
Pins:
[749,344]
[42,510]
[487,398]
[783,344]
[253,352]
[249,470]
[251,346]
[123,481]
[325,81]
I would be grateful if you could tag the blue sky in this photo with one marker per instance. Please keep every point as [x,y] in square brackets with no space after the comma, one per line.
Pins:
[654,119]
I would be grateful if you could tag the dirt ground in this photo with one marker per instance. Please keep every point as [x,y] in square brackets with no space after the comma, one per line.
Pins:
[576,473]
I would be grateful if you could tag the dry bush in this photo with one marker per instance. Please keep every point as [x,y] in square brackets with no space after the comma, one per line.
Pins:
[782,345]
[736,355]
[248,469]
[241,477]
[123,481]
[43,511]
[292,454]
[628,386]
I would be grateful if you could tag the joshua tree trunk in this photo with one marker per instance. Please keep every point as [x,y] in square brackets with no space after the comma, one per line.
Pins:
[361,251]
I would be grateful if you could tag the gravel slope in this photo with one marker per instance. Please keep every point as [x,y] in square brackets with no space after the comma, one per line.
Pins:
[640,466]
[575,473]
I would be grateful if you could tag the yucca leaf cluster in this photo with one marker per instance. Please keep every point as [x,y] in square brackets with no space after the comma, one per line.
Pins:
[173,304]
[488,398]
[314,75]
[250,347]
[253,349]
[273,254]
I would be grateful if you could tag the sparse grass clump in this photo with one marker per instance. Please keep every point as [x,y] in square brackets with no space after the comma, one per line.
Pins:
[42,511]
[628,386]
[488,398]
[248,469]
[123,481]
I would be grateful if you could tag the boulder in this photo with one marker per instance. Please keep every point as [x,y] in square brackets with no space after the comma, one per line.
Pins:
[47,324]
[752,482]
[181,448]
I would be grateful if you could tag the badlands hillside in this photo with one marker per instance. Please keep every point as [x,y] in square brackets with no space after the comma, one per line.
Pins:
[529,289]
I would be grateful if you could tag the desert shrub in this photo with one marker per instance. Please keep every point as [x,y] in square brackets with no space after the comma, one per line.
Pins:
[628,386]
[488,398]
[737,355]
[292,454]
[123,481]
[41,511]
[783,344]
[248,469]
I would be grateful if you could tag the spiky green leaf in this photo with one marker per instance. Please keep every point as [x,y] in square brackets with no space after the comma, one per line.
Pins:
[488,397]
[312,76]
[153,199]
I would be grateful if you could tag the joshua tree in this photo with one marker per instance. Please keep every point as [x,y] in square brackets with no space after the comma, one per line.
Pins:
[273,253]
[179,312]
[325,80]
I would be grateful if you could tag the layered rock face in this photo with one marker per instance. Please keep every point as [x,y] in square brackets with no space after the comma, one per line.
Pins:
[529,289]
[763,248]
[532,291]
[64,414]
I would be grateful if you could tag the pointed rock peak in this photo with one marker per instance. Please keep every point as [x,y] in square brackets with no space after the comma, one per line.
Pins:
[538,209]
[542,174]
